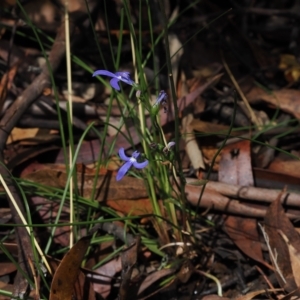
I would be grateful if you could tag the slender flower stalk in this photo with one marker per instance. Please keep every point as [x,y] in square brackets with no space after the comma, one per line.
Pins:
[129,162]
[116,78]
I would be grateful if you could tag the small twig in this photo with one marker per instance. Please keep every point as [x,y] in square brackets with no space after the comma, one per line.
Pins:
[256,194]
[237,87]
[265,277]
[273,254]
[213,199]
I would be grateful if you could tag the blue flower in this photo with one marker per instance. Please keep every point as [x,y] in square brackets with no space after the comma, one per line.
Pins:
[116,77]
[130,161]
[168,147]
[161,100]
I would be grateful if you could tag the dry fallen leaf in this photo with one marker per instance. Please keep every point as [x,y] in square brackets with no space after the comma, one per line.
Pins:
[275,221]
[128,196]
[287,100]
[294,257]
[129,258]
[62,286]
[102,282]
[287,167]
[106,186]
[191,145]
[19,134]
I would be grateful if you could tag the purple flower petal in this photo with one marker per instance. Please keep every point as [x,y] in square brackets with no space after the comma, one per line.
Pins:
[123,155]
[115,83]
[162,97]
[124,74]
[125,77]
[135,154]
[170,144]
[168,147]
[104,72]
[140,165]
[123,170]
[116,77]
[129,161]
[128,81]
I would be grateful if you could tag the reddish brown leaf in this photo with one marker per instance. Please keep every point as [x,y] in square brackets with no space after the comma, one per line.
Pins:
[106,186]
[287,100]
[270,179]
[128,196]
[294,257]
[65,277]
[276,225]
[287,167]
[133,207]
[102,282]
[83,287]
[244,234]
[6,268]
[129,259]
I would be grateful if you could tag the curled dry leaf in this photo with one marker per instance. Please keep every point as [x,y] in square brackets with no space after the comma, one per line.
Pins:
[294,258]
[129,259]
[286,167]
[102,280]
[64,279]
[279,229]
[191,145]
[287,100]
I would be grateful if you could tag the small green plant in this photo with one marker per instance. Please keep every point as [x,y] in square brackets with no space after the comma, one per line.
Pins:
[159,156]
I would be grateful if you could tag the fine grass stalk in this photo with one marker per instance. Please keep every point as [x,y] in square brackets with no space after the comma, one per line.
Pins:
[70,118]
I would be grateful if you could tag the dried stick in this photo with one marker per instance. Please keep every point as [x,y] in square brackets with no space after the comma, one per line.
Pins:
[273,254]
[216,200]
[255,194]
